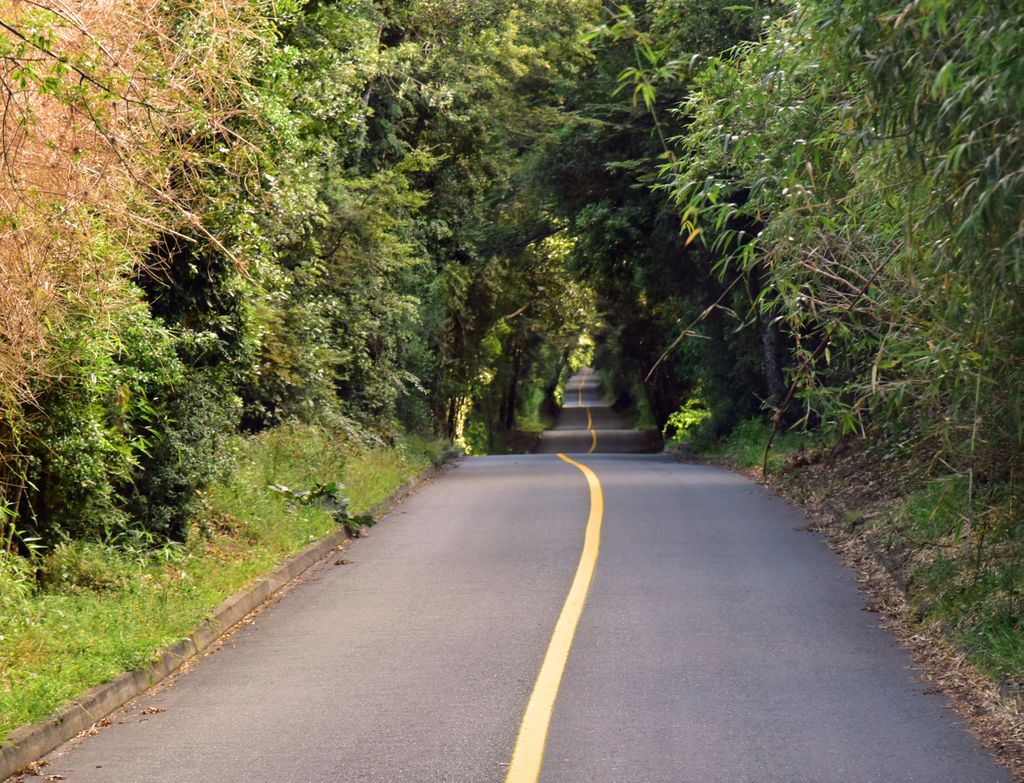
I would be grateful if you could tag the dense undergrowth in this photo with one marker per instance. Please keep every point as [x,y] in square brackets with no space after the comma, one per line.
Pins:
[222,216]
[971,585]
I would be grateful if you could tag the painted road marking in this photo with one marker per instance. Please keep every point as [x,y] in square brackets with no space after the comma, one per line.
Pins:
[590,423]
[533,731]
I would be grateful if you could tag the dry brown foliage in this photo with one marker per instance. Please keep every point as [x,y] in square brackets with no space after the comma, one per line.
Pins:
[60,171]
[100,105]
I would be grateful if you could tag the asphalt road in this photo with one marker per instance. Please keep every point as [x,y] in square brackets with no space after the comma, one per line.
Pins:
[718,642]
[588,425]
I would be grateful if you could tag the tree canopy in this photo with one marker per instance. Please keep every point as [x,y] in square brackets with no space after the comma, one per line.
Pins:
[378,216]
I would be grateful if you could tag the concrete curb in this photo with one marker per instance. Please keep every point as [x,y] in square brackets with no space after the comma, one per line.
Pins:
[30,743]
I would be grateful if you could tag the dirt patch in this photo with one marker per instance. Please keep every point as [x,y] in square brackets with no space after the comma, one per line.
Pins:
[842,493]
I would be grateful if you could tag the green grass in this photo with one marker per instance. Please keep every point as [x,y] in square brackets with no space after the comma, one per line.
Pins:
[376,473]
[100,611]
[968,568]
[745,445]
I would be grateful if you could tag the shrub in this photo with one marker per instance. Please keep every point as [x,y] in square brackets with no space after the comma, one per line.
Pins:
[85,566]
[687,421]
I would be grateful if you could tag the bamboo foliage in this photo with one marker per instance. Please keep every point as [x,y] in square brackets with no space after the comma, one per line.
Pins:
[863,162]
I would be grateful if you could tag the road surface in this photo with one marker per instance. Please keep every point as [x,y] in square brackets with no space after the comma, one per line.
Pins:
[709,640]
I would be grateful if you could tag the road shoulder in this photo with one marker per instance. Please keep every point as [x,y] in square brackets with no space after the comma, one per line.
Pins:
[991,713]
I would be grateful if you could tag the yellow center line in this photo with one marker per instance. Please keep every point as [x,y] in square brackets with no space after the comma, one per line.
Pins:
[590,423]
[533,731]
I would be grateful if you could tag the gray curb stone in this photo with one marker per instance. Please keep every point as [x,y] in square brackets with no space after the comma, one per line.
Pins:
[30,743]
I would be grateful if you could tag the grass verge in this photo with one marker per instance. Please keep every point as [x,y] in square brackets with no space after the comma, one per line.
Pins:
[101,610]
[745,445]
[964,569]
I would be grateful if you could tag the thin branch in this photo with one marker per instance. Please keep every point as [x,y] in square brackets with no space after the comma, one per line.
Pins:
[688,331]
[66,61]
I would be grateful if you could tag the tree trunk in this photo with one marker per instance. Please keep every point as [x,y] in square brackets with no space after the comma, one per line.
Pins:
[450,419]
[771,339]
[512,398]
[770,345]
